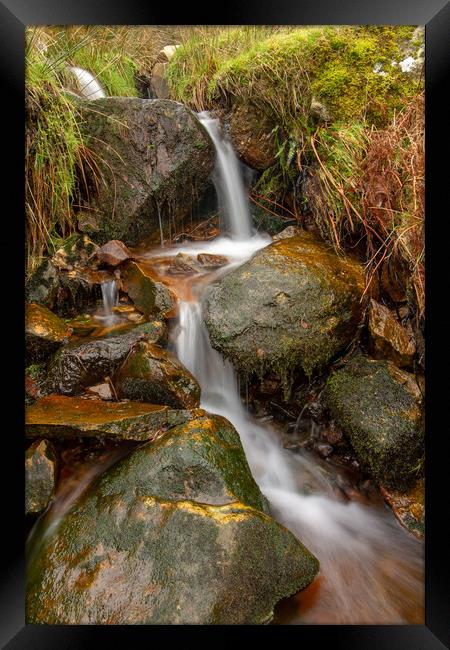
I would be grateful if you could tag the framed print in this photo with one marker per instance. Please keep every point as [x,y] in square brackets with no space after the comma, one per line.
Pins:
[226,306]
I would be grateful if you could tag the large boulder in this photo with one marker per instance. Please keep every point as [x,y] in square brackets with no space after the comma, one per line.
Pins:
[80,364]
[294,304]
[155,158]
[152,374]
[44,332]
[379,409]
[40,476]
[59,417]
[175,533]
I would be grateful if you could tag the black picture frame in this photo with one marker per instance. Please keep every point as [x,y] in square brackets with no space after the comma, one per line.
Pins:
[435,15]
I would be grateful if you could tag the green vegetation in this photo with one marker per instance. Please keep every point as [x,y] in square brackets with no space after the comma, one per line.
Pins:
[56,157]
[366,129]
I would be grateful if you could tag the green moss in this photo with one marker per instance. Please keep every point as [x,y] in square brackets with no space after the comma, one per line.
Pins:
[381,418]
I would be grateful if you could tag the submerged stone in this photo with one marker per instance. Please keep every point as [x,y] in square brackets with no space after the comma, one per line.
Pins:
[44,332]
[84,363]
[183,264]
[294,304]
[209,261]
[56,416]
[378,407]
[40,476]
[151,374]
[389,340]
[150,297]
[172,534]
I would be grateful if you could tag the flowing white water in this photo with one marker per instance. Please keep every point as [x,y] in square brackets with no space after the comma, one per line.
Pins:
[110,298]
[371,570]
[89,86]
[228,182]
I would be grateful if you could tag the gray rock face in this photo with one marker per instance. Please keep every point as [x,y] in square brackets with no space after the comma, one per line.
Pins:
[175,533]
[378,407]
[295,304]
[157,159]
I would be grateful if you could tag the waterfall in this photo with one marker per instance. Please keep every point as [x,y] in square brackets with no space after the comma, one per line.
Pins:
[109,297]
[89,86]
[353,542]
[228,182]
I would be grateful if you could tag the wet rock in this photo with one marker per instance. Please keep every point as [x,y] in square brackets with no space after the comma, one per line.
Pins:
[183,264]
[103,391]
[67,283]
[197,547]
[84,363]
[295,304]
[151,374]
[209,261]
[155,158]
[389,340]
[290,231]
[113,253]
[76,253]
[150,297]
[44,332]
[35,379]
[40,476]
[409,507]
[378,407]
[324,450]
[253,136]
[60,417]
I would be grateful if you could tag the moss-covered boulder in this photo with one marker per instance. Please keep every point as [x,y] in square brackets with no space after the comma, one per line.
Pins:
[44,332]
[40,476]
[294,304]
[83,363]
[155,158]
[151,374]
[150,297]
[379,408]
[59,417]
[173,534]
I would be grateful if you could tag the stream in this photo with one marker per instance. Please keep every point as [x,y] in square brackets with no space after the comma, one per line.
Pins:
[371,569]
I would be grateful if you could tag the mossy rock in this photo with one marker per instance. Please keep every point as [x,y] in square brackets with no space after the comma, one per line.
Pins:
[149,297]
[172,534]
[379,409]
[295,304]
[83,363]
[153,167]
[40,476]
[59,417]
[44,332]
[151,374]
